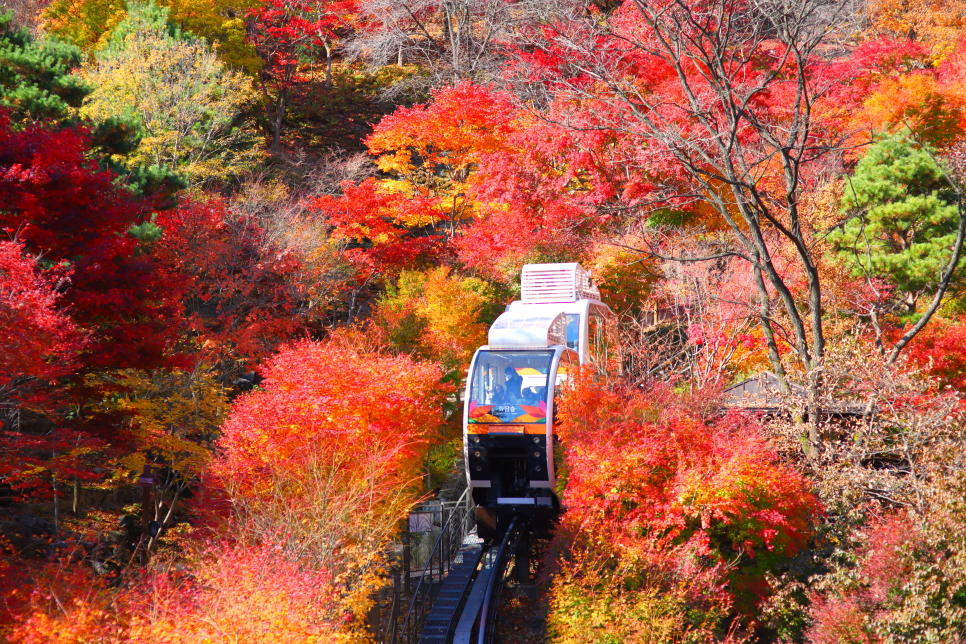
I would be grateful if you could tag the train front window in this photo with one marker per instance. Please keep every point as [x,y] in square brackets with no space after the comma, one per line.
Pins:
[509,387]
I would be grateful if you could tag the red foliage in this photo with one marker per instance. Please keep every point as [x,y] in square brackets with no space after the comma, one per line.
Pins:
[940,350]
[63,208]
[884,567]
[647,475]
[28,461]
[241,594]
[371,221]
[243,294]
[446,135]
[37,340]
[839,621]
[281,32]
[38,345]
[330,403]
[255,594]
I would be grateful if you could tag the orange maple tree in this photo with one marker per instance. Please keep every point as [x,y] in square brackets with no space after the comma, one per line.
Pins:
[699,506]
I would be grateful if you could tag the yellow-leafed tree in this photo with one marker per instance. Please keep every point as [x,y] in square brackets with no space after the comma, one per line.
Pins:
[89,23]
[191,108]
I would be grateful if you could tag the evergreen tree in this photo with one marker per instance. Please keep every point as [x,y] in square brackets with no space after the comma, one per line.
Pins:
[36,82]
[188,106]
[902,217]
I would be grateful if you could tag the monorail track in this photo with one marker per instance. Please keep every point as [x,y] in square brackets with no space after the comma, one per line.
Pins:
[468,604]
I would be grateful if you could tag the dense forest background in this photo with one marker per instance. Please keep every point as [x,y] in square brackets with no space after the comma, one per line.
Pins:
[247,248]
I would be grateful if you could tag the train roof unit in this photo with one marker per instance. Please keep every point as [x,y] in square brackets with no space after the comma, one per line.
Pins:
[556,283]
[519,329]
[558,302]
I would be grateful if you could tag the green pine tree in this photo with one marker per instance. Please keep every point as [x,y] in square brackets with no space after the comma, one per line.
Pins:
[902,217]
[38,85]
[36,82]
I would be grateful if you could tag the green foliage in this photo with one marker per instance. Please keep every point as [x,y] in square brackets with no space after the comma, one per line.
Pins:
[188,106]
[443,459]
[35,78]
[903,216]
[146,232]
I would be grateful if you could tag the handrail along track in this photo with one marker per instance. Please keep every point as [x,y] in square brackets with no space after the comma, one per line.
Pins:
[455,528]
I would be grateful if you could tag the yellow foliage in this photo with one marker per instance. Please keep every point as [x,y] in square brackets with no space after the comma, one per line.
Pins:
[89,23]
[937,23]
[186,102]
[436,315]
[174,416]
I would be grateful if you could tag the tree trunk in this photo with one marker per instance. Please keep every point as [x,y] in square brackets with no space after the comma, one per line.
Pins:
[276,115]
[814,411]
[764,317]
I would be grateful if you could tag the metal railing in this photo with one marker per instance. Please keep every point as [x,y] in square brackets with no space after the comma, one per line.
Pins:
[456,522]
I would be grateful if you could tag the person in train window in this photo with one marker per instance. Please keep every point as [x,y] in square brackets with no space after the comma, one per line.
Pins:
[514,383]
[497,396]
[533,395]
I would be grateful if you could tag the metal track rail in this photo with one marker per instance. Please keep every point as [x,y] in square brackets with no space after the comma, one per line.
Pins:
[448,552]
[474,598]
[494,589]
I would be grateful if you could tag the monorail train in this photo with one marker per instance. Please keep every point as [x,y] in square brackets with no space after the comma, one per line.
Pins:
[508,418]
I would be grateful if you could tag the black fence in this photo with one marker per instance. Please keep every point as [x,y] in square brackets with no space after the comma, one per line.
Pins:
[417,580]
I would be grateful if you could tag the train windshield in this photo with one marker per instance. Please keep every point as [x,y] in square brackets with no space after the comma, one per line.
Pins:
[509,387]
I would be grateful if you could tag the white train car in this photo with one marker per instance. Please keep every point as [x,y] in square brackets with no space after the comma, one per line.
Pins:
[558,324]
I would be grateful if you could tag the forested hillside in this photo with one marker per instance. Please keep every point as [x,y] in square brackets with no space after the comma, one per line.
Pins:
[248,248]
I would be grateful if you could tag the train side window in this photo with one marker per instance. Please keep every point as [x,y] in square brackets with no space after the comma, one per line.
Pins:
[573,331]
[595,340]
[566,369]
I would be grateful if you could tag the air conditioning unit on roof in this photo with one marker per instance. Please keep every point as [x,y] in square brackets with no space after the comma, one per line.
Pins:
[556,283]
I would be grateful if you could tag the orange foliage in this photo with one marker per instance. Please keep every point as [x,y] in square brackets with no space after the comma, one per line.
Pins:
[920,102]
[937,23]
[447,136]
[255,595]
[653,484]
[903,93]
[325,400]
